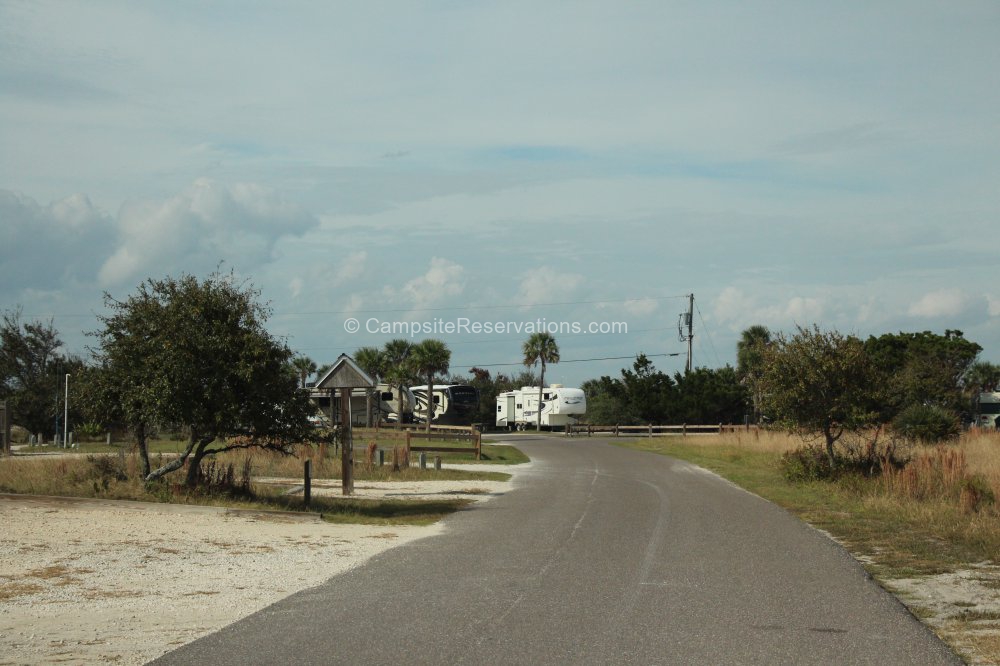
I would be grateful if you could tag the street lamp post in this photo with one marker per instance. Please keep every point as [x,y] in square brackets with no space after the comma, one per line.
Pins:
[66,413]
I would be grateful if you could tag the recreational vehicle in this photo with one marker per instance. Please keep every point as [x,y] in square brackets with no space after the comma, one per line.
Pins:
[560,406]
[384,405]
[988,415]
[454,404]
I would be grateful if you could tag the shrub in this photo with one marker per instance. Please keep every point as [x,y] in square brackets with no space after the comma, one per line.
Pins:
[809,463]
[975,493]
[927,423]
[90,431]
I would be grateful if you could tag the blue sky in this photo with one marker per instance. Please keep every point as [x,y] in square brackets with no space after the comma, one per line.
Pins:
[788,163]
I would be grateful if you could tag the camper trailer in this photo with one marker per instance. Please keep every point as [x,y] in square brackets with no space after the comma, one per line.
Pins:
[988,414]
[560,407]
[384,405]
[454,404]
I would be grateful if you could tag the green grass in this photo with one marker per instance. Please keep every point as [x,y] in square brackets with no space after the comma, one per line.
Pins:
[904,538]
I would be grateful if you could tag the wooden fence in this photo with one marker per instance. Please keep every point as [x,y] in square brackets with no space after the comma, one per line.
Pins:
[651,430]
[408,435]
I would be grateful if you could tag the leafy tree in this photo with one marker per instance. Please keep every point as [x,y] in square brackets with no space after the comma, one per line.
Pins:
[649,392]
[427,358]
[204,361]
[607,402]
[750,362]
[372,361]
[32,372]
[924,368]
[398,368]
[707,395]
[305,366]
[821,382]
[540,348]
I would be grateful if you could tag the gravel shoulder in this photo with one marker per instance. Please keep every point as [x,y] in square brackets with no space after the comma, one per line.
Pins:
[125,582]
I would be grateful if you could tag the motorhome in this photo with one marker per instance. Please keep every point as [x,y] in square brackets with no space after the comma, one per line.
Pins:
[560,407]
[384,405]
[988,414]
[454,404]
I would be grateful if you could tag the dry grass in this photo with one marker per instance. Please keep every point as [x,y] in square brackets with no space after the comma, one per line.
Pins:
[982,454]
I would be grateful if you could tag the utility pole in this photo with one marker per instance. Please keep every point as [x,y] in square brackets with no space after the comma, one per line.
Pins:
[686,320]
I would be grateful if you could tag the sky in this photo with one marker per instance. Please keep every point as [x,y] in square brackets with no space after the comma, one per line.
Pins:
[516,163]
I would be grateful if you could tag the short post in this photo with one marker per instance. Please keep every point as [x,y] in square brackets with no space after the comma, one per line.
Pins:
[720,428]
[479,446]
[423,460]
[437,462]
[684,430]
[650,429]
[380,456]
[306,483]
[109,438]
[39,439]
[69,442]
[590,430]
[616,430]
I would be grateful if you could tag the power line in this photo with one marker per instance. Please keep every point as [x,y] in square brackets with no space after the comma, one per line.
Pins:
[711,343]
[397,310]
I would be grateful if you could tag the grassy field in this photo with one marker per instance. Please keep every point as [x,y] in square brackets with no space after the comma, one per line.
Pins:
[116,477]
[914,524]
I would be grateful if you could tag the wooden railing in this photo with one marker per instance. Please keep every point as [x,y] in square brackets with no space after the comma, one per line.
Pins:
[651,430]
[442,432]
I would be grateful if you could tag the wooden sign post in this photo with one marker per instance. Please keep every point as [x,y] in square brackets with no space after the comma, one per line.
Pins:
[343,376]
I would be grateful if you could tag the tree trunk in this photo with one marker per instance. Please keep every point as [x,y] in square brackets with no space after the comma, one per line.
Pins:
[174,464]
[140,439]
[194,469]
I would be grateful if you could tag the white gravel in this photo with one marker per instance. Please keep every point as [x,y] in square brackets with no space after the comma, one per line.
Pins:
[99,582]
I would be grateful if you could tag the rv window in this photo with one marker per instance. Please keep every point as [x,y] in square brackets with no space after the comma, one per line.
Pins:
[386,395]
[499,408]
[519,405]
[437,400]
[546,396]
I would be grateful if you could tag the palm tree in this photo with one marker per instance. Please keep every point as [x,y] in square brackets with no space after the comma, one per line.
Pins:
[372,361]
[397,368]
[429,357]
[305,367]
[540,348]
[750,362]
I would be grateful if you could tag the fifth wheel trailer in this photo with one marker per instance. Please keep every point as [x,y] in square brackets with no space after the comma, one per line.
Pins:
[560,407]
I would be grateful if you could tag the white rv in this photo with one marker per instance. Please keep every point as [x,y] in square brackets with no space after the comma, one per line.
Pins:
[519,408]
[988,415]
[454,404]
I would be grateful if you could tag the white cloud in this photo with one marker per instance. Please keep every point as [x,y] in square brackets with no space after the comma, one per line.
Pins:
[295,286]
[546,285]
[939,303]
[444,279]
[351,267]
[193,231]
[641,307]
[48,246]
[993,305]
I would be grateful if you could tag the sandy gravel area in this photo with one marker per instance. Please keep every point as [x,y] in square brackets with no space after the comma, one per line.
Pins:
[124,582]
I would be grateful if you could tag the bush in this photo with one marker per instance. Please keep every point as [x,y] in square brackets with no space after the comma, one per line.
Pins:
[809,463]
[927,423]
[90,431]
[975,493]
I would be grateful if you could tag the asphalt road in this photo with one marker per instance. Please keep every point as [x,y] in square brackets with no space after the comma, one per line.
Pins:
[601,555]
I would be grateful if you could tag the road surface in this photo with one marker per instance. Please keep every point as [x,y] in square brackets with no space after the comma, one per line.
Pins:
[601,555]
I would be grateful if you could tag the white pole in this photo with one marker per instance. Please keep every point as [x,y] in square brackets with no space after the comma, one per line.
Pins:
[66,413]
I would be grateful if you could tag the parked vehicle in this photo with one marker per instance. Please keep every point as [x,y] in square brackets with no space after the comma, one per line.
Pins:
[988,415]
[519,409]
[454,404]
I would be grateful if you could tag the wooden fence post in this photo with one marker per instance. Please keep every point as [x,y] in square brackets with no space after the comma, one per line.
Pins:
[306,482]
[650,429]
[684,430]
[479,446]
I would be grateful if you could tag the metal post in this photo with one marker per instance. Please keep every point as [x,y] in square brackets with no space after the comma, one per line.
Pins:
[690,323]
[66,413]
